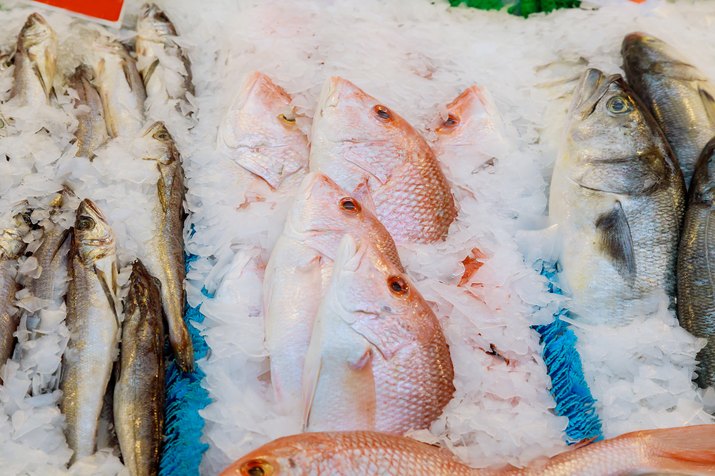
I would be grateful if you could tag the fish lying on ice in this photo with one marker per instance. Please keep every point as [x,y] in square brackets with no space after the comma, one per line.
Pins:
[164,255]
[91,129]
[163,64]
[681,97]
[139,389]
[299,268]
[696,263]
[35,62]
[378,359]
[92,320]
[363,145]
[617,196]
[676,451]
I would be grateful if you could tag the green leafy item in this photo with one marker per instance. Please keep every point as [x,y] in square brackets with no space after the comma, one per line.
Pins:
[520,7]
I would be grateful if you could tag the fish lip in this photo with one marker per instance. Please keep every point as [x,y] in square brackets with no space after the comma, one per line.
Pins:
[330,95]
[89,204]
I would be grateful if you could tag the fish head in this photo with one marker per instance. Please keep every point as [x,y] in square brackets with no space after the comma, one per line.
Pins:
[38,42]
[355,137]
[702,186]
[287,456]
[153,24]
[465,116]
[260,131]
[93,238]
[165,151]
[612,141]
[143,289]
[645,54]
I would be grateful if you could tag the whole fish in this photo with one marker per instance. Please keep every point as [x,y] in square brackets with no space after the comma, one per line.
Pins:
[617,196]
[260,132]
[378,359]
[92,320]
[139,390]
[686,450]
[11,247]
[681,97]
[35,62]
[120,87]
[164,256]
[696,263]
[363,145]
[92,129]
[164,66]
[300,267]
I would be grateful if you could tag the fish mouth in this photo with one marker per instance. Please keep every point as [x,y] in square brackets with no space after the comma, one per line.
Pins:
[333,90]
[89,205]
[35,31]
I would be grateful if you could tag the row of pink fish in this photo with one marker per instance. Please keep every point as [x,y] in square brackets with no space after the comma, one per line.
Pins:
[353,345]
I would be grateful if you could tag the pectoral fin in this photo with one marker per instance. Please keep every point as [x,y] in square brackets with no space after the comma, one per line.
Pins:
[708,102]
[615,240]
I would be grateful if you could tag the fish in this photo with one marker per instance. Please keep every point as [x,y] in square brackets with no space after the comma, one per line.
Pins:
[120,86]
[365,146]
[617,196]
[685,450]
[93,323]
[11,247]
[164,255]
[35,62]
[139,389]
[681,97]
[300,266]
[91,131]
[260,132]
[696,263]
[164,66]
[378,359]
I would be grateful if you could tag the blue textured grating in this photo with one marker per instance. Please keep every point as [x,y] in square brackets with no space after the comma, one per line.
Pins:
[568,385]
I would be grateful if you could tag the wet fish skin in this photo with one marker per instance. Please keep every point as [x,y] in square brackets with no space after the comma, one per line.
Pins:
[362,144]
[300,266]
[685,450]
[35,62]
[164,257]
[696,263]
[11,247]
[92,319]
[139,390]
[156,37]
[617,196]
[681,97]
[91,129]
[378,359]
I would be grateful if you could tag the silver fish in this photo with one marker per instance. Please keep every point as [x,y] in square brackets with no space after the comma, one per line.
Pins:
[139,391]
[696,263]
[164,257]
[92,129]
[681,97]
[11,247]
[618,198]
[92,319]
[119,86]
[156,39]
[35,62]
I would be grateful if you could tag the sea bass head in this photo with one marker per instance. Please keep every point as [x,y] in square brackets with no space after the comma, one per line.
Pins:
[703,185]
[260,131]
[357,141]
[323,212]
[644,54]
[613,144]
[165,151]
[11,238]
[153,23]
[37,45]
[93,238]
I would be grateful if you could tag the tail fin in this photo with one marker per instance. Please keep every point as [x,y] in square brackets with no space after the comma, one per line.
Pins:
[689,449]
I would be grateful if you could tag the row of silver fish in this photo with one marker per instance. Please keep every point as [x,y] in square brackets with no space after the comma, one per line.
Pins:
[110,98]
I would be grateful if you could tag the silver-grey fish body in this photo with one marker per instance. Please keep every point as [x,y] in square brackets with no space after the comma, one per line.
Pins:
[617,196]
[92,298]
[11,246]
[696,264]
[164,257]
[680,96]
[35,62]
[91,129]
[139,390]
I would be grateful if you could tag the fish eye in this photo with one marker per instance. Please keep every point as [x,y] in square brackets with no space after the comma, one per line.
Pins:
[619,105]
[451,121]
[382,112]
[398,286]
[349,205]
[85,223]
[287,120]
[257,467]
[162,135]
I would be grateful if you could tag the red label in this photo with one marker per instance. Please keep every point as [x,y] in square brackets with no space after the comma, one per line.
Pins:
[108,10]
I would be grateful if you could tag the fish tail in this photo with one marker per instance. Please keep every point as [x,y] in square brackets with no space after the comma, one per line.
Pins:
[687,449]
[183,348]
